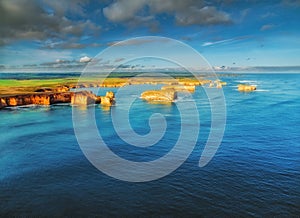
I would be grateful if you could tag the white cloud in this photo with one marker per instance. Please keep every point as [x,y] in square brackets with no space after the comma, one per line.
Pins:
[267,27]
[217,42]
[225,41]
[85,59]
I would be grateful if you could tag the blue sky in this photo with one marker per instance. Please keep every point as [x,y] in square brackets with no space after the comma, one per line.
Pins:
[39,34]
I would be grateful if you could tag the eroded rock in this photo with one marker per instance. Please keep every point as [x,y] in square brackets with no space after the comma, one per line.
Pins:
[180,88]
[168,95]
[64,97]
[246,88]
[108,99]
[83,98]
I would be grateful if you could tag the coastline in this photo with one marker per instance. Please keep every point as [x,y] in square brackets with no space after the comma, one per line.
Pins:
[62,90]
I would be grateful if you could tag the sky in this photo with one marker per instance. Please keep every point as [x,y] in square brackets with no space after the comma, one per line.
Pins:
[229,34]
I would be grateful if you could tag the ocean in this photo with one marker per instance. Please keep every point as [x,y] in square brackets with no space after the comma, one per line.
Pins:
[255,171]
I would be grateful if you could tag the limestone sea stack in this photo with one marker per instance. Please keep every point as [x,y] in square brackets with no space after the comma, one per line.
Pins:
[108,99]
[179,88]
[246,88]
[83,98]
[168,95]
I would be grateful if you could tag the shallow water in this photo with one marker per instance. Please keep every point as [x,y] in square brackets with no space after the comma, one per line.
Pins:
[255,172]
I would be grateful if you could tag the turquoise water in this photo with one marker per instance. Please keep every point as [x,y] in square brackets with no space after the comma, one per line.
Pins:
[255,172]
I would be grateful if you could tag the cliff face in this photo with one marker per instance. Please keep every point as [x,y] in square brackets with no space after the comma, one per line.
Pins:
[47,98]
[60,98]
[83,98]
[19,100]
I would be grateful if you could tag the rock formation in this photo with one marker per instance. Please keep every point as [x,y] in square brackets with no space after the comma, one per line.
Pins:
[168,95]
[56,89]
[108,99]
[83,98]
[246,88]
[25,99]
[64,97]
[48,98]
[179,88]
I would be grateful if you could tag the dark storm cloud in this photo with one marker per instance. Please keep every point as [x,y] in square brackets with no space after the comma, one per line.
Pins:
[32,20]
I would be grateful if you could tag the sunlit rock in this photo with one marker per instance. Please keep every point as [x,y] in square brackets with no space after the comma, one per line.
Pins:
[64,97]
[12,101]
[108,99]
[180,88]
[3,103]
[246,88]
[168,95]
[83,98]
[40,99]
[61,89]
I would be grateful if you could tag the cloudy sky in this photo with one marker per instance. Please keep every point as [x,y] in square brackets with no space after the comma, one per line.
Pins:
[231,33]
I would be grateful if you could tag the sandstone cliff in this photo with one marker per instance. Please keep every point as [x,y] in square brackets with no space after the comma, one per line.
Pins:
[48,98]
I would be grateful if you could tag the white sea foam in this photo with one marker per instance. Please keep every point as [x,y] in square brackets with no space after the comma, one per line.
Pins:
[262,90]
[248,81]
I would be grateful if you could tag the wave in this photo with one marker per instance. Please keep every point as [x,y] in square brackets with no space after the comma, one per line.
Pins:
[247,81]
[286,102]
[262,90]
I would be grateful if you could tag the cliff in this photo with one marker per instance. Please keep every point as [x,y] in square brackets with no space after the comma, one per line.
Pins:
[49,98]
[83,98]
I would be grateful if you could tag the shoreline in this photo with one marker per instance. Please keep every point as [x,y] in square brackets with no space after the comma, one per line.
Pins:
[9,87]
[53,91]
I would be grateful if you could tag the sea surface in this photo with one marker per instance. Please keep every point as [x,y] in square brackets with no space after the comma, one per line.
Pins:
[255,172]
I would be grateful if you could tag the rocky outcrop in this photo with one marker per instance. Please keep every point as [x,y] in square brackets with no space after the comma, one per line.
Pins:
[83,98]
[3,103]
[44,89]
[108,99]
[64,97]
[62,89]
[246,88]
[56,89]
[19,100]
[168,95]
[180,88]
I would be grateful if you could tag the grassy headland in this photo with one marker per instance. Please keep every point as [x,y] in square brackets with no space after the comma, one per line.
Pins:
[13,86]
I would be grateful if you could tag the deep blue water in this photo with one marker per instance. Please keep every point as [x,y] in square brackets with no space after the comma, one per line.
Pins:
[255,172]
